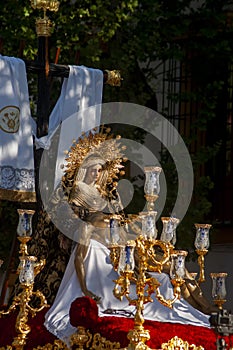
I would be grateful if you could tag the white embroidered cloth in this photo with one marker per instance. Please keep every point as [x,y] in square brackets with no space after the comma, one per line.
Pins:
[17,180]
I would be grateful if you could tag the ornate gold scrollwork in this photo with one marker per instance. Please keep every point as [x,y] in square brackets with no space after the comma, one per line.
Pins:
[179,344]
[57,345]
[113,77]
[22,300]
[83,339]
[145,286]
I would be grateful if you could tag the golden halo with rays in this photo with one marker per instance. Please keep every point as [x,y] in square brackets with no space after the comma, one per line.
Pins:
[101,144]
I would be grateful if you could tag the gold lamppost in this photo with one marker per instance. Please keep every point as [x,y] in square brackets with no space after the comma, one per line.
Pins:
[44,25]
[28,269]
[202,244]
[219,288]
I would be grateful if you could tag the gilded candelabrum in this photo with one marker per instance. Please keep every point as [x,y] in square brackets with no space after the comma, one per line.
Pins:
[202,244]
[27,270]
[122,260]
[143,251]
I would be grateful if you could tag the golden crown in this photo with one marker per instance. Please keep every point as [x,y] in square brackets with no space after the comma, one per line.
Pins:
[102,145]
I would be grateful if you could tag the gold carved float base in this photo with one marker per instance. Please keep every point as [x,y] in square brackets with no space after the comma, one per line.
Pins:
[83,339]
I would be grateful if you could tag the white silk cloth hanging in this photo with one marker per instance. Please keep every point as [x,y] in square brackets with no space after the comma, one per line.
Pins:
[77,109]
[17,180]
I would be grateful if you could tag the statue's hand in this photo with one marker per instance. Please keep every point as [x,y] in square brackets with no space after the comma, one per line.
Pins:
[91,295]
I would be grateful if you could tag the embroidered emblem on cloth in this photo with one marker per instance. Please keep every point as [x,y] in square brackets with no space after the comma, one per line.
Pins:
[9,119]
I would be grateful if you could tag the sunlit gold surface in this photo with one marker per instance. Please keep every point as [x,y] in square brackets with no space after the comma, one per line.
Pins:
[114,255]
[22,300]
[105,145]
[85,340]
[80,340]
[113,77]
[219,303]
[44,25]
[57,345]
[45,5]
[151,201]
[23,250]
[178,343]
[203,226]
[201,263]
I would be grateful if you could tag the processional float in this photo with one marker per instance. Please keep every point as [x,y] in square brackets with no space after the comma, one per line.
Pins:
[122,257]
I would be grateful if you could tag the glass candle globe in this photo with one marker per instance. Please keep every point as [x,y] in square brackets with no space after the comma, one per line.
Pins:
[219,285]
[24,227]
[114,231]
[177,269]
[169,229]
[148,220]
[126,259]
[152,186]
[26,275]
[202,236]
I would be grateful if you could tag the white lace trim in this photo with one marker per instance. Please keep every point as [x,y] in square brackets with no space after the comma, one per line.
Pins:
[17,179]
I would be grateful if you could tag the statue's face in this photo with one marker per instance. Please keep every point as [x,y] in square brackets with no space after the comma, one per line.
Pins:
[93,173]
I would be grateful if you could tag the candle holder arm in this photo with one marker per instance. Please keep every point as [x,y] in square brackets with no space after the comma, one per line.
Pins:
[43,303]
[39,266]
[15,303]
[122,284]
[177,293]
